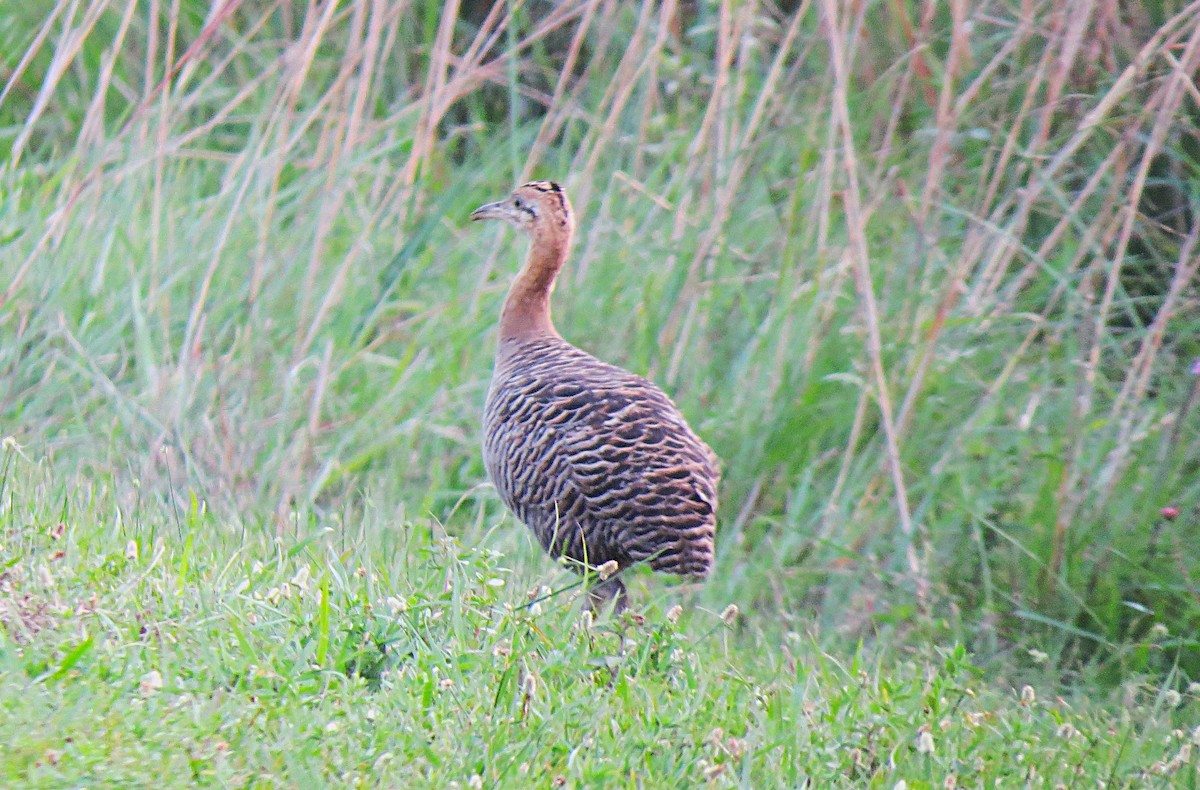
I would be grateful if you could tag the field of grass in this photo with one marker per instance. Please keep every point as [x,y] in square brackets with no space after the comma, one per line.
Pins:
[400,657]
[923,274]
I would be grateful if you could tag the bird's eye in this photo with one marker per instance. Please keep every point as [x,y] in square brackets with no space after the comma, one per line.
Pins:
[518,203]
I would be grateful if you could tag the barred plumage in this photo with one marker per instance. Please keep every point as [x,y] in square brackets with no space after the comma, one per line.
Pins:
[597,461]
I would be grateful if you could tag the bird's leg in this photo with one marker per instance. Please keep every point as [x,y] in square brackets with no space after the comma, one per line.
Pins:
[602,593]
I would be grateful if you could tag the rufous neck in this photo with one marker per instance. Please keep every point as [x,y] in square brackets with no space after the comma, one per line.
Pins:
[527,309]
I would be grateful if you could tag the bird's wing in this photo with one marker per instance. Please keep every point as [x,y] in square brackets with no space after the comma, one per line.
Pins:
[646,481]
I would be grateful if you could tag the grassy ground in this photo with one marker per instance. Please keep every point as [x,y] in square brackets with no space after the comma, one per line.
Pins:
[200,656]
[923,275]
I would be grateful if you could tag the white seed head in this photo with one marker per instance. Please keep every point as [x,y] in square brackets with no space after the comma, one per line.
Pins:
[300,580]
[150,683]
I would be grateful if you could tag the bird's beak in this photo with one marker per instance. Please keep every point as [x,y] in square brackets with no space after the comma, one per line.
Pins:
[489,211]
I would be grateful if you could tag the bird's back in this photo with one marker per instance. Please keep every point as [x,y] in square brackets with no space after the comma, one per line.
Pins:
[597,461]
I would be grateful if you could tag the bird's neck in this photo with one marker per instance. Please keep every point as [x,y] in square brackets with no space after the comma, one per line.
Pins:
[527,309]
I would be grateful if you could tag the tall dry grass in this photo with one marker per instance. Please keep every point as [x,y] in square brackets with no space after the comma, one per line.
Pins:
[925,273]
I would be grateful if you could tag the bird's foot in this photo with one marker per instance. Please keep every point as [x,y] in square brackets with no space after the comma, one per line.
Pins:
[602,594]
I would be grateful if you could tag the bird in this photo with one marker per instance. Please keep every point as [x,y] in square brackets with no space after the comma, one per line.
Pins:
[598,462]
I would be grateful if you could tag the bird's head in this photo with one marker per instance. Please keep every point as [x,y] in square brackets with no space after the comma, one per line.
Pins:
[537,207]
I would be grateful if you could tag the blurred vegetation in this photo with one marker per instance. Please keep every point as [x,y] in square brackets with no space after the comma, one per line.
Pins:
[924,274]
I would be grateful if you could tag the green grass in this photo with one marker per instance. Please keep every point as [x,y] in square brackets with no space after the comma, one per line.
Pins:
[201,656]
[931,296]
